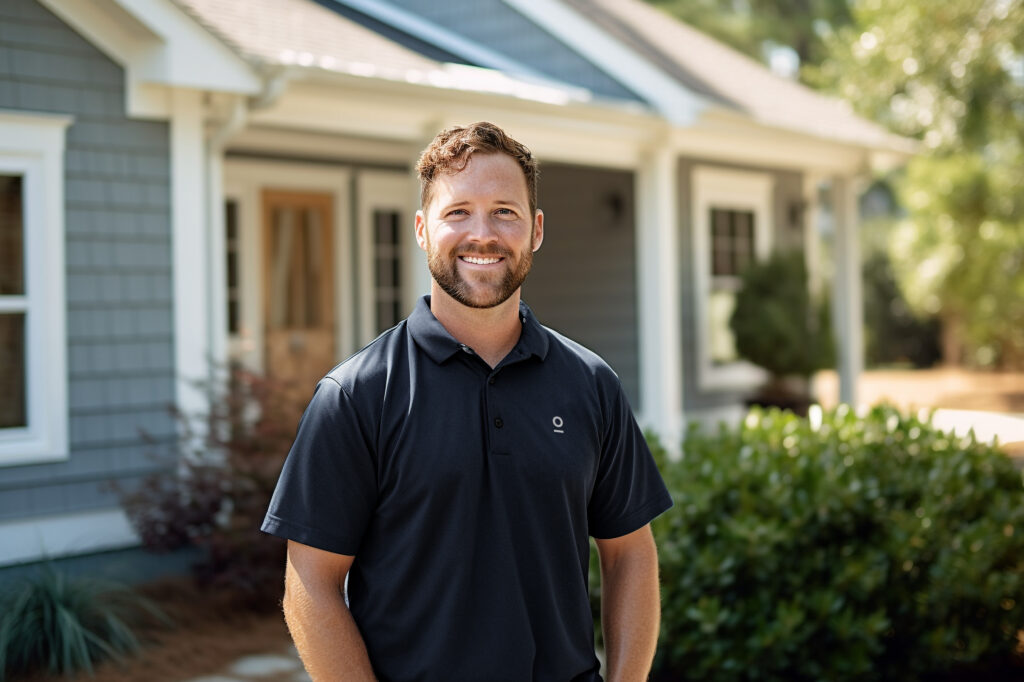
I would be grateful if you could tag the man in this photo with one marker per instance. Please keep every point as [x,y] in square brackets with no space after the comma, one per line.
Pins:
[454,468]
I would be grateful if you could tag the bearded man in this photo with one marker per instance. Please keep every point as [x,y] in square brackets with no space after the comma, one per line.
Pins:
[445,480]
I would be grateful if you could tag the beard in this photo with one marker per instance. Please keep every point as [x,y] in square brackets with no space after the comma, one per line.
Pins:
[444,269]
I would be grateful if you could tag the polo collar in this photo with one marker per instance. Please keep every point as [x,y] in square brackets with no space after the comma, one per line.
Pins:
[431,336]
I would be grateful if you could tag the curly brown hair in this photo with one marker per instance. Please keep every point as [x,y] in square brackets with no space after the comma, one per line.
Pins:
[449,153]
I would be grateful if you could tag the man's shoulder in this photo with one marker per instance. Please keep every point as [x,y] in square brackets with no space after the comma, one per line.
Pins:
[371,363]
[573,352]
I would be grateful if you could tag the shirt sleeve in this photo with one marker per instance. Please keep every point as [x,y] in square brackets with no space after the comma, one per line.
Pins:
[327,490]
[628,491]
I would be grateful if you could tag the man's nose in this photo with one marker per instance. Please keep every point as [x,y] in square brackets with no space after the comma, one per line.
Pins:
[480,228]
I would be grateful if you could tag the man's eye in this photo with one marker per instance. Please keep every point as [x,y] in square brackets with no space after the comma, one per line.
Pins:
[458,211]
[505,211]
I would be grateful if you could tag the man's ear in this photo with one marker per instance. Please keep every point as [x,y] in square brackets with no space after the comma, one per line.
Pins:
[421,230]
[538,229]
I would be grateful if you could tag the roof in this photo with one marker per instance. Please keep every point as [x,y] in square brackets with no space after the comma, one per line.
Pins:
[729,78]
[302,34]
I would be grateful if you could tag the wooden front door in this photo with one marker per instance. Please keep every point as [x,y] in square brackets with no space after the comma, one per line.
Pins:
[298,280]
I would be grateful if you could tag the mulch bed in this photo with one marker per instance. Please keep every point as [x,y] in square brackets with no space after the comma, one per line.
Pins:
[210,631]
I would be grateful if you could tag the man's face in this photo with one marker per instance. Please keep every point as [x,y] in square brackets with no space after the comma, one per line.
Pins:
[478,232]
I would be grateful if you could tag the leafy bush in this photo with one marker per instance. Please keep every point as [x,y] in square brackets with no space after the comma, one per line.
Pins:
[893,332]
[219,489]
[64,625]
[838,548]
[776,322]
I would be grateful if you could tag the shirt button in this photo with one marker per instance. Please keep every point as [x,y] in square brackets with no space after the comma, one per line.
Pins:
[491,381]
[498,423]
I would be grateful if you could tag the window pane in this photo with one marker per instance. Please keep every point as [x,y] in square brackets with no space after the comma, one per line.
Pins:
[732,241]
[12,370]
[387,268]
[723,343]
[232,254]
[12,249]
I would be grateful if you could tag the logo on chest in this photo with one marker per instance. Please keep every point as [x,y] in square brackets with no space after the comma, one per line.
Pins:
[557,422]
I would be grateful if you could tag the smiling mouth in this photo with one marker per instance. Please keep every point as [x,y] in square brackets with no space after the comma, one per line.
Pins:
[477,260]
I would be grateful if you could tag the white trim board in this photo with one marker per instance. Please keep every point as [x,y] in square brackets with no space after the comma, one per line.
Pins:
[49,537]
[158,43]
[673,101]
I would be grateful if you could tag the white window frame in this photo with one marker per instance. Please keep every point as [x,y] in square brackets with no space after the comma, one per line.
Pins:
[727,189]
[32,145]
[381,191]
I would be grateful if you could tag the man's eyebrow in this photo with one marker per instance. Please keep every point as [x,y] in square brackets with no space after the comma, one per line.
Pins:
[501,202]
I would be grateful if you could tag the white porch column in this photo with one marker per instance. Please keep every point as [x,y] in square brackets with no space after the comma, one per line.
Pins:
[661,352]
[847,298]
[189,250]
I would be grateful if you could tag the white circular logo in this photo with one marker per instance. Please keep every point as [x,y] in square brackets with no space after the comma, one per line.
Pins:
[557,421]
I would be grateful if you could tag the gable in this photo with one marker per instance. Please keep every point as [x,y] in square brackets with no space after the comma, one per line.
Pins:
[501,28]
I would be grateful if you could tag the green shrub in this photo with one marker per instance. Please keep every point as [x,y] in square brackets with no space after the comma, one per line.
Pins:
[776,322]
[215,494]
[63,625]
[845,547]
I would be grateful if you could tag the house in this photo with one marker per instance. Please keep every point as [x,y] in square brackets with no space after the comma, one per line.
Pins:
[191,181]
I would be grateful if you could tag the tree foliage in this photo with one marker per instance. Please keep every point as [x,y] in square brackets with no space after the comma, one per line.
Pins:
[776,322]
[950,74]
[751,26]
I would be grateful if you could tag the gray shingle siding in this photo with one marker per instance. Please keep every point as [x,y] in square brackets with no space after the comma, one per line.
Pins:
[117,266]
[787,189]
[498,27]
[583,282]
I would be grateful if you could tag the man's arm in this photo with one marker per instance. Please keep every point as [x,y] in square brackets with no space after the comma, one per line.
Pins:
[320,623]
[630,604]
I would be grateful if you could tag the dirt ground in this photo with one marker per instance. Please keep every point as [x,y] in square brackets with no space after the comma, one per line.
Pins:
[209,633]
[951,388]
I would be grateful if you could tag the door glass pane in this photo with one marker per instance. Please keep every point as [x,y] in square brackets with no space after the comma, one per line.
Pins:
[12,249]
[387,268]
[297,268]
[12,370]
[232,252]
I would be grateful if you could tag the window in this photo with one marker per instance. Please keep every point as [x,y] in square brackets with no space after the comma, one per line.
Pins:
[732,249]
[33,365]
[231,272]
[731,229]
[387,269]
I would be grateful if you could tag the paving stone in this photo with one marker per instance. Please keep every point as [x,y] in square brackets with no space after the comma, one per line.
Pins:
[265,665]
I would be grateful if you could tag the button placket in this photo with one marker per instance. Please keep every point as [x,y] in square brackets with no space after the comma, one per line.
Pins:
[494,415]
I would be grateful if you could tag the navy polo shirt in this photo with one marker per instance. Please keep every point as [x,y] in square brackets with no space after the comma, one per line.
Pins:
[467,495]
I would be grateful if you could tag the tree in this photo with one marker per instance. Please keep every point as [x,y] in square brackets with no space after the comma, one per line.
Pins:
[779,326]
[950,74]
[753,26]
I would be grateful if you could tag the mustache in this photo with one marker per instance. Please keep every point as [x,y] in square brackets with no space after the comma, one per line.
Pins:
[482,250]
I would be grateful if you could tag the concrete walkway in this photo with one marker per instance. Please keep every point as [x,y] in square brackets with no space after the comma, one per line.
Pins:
[283,666]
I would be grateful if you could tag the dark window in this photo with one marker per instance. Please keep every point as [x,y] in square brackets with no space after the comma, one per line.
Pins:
[12,249]
[732,241]
[13,304]
[387,269]
[233,252]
